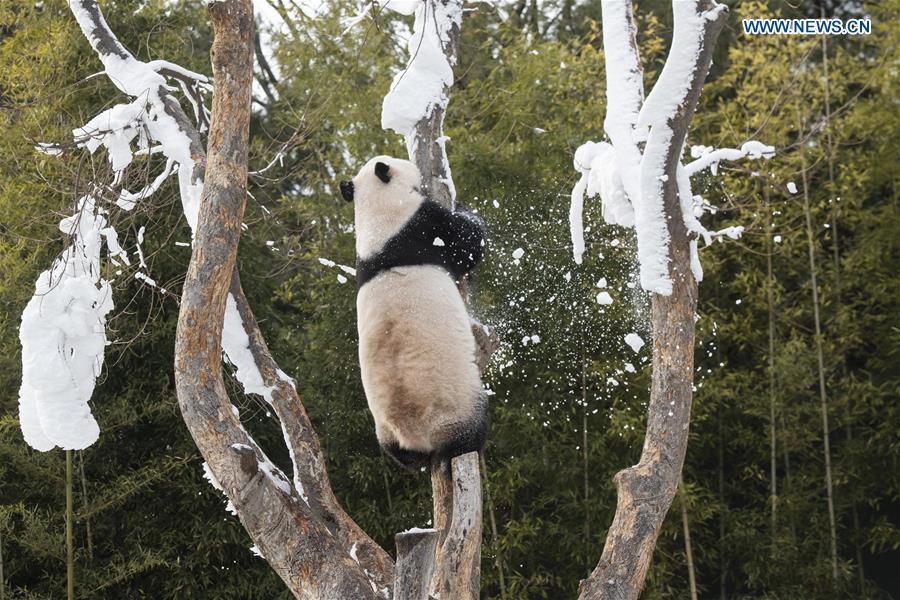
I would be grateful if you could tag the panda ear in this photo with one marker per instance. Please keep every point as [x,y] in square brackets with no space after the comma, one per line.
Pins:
[382,172]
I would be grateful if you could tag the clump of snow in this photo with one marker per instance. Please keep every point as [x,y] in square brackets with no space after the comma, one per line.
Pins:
[792,187]
[634,341]
[236,345]
[708,157]
[438,242]
[211,478]
[604,298]
[632,180]
[348,270]
[63,336]
[518,253]
[422,86]
[419,530]
[599,177]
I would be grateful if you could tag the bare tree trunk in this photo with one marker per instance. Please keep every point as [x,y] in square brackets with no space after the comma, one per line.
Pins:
[70,517]
[457,573]
[770,299]
[688,549]
[292,533]
[645,491]
[415,563]
[310,505]
[820,359]
[86,507]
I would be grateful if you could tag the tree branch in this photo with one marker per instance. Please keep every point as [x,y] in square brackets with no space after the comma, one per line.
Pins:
[305,537]
[456,487]
[646,490]
[415,563]
[323,517]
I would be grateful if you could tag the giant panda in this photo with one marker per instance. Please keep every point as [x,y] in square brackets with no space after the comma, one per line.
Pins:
[416,347]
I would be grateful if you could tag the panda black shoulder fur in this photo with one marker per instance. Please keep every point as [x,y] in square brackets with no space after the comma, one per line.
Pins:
[416,348]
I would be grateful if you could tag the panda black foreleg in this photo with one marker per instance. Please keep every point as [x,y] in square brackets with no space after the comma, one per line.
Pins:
[408,459]
[465,232]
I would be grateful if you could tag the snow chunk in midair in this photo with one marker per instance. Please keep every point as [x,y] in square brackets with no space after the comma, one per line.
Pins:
[604,298]
[792,187]
[634,341]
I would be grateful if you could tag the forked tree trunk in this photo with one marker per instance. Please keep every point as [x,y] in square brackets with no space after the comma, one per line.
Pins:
[645,491]
[299,529]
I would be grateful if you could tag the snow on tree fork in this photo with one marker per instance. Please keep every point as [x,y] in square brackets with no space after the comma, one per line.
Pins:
[646,490]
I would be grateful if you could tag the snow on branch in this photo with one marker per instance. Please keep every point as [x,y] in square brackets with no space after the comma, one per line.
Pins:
[631,173]
[415,104]
[711,157]
[151,115]
[63,336]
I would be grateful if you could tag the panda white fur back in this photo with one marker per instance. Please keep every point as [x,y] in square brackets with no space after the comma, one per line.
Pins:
[416,347]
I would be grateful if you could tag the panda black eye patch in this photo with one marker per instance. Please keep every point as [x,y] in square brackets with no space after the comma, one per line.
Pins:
[381,171]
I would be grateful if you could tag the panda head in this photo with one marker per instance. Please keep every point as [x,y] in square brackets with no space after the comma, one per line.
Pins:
[382,178]
[385,194]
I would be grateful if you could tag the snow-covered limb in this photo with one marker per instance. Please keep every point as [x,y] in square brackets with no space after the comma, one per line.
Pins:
[599,168]
[423,84]
[415,105]
[711,157]
[668,256]
[152,107]
[669,94]
[632,174]
[63,336]
[624,90]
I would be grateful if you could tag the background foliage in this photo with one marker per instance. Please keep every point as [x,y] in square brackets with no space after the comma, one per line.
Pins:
[568,411]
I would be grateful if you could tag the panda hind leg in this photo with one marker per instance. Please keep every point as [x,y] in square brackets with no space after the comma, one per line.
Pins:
[469,436]
[410,460]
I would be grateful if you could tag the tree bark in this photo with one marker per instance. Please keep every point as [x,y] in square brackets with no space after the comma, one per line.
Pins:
[415,563]
[645,491]
[323,518]
[299,546]
[457,574]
